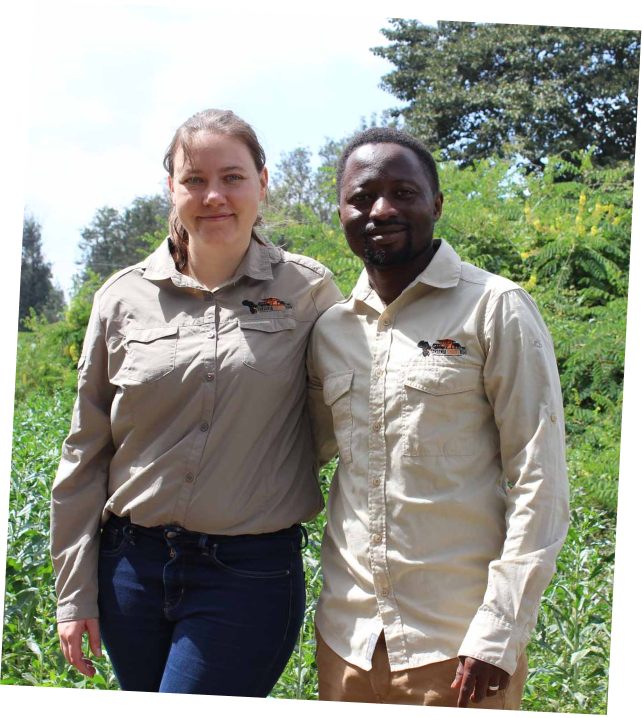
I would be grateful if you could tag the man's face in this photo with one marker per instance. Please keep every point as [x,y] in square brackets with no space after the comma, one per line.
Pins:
[387,207]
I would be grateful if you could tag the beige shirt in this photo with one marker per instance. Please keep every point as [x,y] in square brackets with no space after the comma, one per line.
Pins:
[190,409]
[439,402]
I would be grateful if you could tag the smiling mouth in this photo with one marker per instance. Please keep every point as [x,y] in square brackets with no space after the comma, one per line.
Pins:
[386,235]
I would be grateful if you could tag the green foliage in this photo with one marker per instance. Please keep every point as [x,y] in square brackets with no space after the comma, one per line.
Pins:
[113,240]
[477,90]
[569,652]
[37,290]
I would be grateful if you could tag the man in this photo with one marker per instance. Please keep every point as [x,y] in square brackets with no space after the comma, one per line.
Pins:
[438,383]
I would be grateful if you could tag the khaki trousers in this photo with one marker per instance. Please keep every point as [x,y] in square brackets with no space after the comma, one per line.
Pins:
[426,685]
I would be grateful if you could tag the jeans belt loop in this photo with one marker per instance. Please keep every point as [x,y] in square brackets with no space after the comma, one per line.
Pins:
[202,544]
[304,534]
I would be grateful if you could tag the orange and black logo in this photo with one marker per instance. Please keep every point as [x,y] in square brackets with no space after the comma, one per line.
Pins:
[448,347]
[269,304]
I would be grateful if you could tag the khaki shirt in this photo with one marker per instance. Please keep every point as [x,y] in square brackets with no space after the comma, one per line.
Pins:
[440,403]
[190,409]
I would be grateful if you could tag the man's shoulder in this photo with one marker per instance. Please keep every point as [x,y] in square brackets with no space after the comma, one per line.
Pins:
[486,282]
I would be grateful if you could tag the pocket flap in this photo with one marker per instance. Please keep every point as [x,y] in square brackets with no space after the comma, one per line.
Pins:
[442,379]
[278,324]
[149,335]
[336,385]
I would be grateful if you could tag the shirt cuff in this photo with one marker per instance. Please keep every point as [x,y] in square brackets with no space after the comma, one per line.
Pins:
[76,612]
[494,641]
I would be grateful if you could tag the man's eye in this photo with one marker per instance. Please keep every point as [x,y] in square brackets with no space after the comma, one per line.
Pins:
[357,198]
[405,193]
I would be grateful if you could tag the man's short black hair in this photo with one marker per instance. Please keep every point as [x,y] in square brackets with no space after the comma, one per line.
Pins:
[388,135]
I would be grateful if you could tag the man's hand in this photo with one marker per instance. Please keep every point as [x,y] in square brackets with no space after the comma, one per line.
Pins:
[70,634]
[477,679]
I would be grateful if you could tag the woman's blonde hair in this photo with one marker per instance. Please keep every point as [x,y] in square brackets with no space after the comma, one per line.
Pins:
[220,122]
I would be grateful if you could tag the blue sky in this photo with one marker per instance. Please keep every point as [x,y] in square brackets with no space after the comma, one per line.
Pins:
[110,84]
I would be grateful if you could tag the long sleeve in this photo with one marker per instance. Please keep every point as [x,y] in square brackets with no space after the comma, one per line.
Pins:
[522,385]
[325,445]
[80,488]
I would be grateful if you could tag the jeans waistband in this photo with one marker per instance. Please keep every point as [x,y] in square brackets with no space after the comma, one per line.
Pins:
[178,532]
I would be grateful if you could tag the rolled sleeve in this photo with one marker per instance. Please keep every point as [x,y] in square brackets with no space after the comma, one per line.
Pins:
[80,488]
[522,385]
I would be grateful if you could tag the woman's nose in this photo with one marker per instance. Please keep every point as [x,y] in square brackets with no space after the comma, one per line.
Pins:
[214,196]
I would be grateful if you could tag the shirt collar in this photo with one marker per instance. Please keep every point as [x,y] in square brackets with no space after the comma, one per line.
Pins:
[257,263]
[443,271]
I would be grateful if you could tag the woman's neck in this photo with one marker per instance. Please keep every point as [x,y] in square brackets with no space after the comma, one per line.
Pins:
[213,266]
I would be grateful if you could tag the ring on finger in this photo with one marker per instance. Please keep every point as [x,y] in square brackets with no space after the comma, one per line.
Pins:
[493,688]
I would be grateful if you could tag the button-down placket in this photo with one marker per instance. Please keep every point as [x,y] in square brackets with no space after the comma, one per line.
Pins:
[377,462]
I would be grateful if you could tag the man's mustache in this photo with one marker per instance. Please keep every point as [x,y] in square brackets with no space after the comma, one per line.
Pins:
[372,227]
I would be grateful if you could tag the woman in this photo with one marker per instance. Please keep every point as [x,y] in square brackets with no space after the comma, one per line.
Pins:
[189,442]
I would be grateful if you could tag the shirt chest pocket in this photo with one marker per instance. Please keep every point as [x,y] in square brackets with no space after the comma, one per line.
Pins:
[268,345]
[337,395]
[439,409]
[151,354]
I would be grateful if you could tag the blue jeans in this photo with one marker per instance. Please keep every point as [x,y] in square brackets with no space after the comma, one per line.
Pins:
[182,612]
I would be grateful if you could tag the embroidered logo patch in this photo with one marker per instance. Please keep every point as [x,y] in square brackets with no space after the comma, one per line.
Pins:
[448,347]
[269,304]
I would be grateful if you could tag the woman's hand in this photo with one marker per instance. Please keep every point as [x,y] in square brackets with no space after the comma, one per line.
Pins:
[70,634]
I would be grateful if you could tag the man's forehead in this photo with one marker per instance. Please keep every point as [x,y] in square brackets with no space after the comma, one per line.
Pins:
[381,160]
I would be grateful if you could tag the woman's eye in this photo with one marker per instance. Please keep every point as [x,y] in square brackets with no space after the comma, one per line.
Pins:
[233,178]
[193,180]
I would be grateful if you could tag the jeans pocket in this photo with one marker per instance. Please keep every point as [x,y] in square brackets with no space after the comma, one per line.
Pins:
[113,540]
[257,558]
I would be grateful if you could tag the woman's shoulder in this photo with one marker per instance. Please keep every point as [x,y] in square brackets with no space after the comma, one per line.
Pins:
[297,262]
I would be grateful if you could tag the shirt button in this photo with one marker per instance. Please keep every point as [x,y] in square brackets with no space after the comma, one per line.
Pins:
[386,322]
[377,426]
[379,373]
[553,418]
[211,335]
[204,426]
[384,591]
[377,538]
[208,296]
[376,482]
[209,377]
[189,478]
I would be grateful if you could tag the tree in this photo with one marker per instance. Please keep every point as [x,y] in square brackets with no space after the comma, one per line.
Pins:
[37,290]
[475,90]
[114,240]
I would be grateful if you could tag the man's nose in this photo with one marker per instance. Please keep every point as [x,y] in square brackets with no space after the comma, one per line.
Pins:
[383,209]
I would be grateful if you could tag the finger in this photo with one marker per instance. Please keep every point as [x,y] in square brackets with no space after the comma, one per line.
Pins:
[466,689]
[481,688]
[76,656]
[94,636]
[494,684]
[459,674]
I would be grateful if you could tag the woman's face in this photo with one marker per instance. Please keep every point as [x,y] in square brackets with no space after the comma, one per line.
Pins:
[217,191]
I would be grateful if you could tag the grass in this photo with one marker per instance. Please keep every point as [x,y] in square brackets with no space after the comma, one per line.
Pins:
[568,653]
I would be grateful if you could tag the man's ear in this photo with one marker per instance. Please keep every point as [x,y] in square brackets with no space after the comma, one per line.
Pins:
[339,215]
[439,204]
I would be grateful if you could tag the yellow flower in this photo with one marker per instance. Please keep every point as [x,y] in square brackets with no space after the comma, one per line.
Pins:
[594,230]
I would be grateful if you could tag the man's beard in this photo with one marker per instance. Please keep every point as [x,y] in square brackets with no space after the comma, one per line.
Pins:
[377,256]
